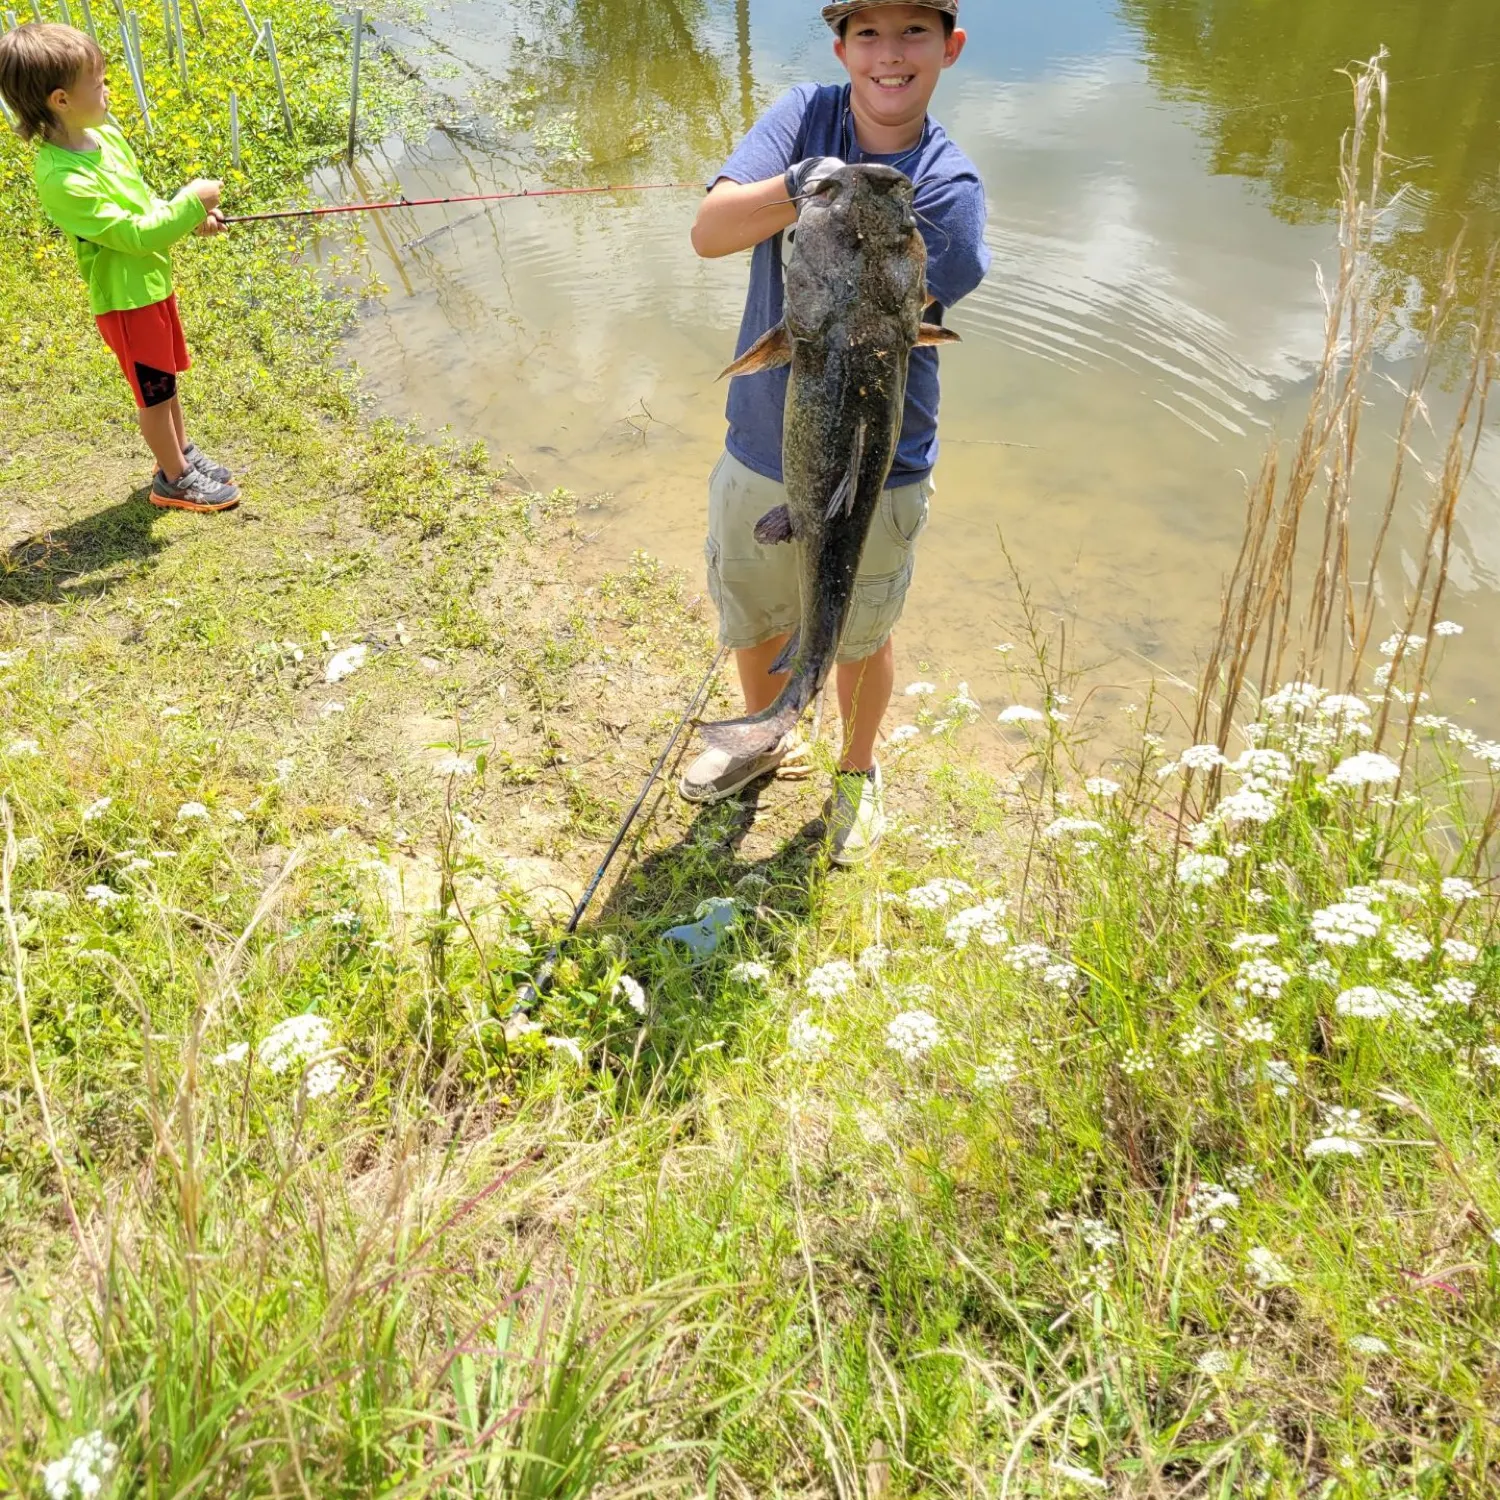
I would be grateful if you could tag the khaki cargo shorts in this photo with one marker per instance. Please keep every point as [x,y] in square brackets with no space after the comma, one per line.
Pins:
[755,588]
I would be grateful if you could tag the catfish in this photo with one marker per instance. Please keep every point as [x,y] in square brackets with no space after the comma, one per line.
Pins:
[855,296]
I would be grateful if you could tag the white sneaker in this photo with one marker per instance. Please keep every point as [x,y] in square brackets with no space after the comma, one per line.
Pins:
[716,775]
[855,816]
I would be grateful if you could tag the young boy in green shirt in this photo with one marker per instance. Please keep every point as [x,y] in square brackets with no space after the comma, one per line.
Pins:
[90,186]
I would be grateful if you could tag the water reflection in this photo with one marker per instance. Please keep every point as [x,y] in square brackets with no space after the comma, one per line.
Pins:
[1146,324]
[1272,108]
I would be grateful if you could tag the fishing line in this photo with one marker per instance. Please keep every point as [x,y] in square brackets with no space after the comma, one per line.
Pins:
[531,992]
[404,202]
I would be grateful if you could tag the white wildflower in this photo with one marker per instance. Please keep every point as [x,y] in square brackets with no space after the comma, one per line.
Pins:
[829,981]
[1368,1344]
[903,733]
[1256,1032]
[1345,924]
[1322,971]
[920,689]
[1488,751]
[1060,976]
[1208,1204]
[1065,828]
[1447,627]
[1137,1061]
[1367,1003]
[1489,1055]
[1098,1235]
[294,1040]
[1101,786]
[1457,951]
[1367,768]
[454,765]
[28,850]
[568,1047]
[1263,767]
[44,903]
[1244,806]
[629,991]
[1401,889]
[235,1053]
[1076,1475]
[323,1078]
[1029,958]
[1019,713]
[1458,890]
[996,1075]
[1293,699]
[1280,1075]
[103,896]
[936,894]
[1266,1268]
[1201,758]
[345,663]
[1199,1039]
[1257,897]
[806,1040]
[96,810]
[1343,707]
[1399,642]
[982,921]
[82,1469]
[1214,1362]
[1253,942]
[1406,946]
[873,959]
[912,1035]
[750,972]
[1456,992]
[191,810]
[1201,869]
[1261,979]
[23,747]
[1333,1145]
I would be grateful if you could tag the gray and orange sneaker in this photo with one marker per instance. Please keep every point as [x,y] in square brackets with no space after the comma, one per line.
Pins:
[200,461]
[193,491]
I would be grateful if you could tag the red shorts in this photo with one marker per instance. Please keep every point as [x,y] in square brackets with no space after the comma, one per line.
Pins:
[148,343]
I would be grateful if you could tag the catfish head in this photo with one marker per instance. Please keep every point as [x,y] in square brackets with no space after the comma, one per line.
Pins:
[856,242]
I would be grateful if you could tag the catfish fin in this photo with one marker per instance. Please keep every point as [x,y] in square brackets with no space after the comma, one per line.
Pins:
[784,658]
[769,352]
[844,494]
[775,526]
[934,333]
[931,298]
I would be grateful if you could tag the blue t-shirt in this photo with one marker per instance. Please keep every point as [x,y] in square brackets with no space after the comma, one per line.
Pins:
[814,120]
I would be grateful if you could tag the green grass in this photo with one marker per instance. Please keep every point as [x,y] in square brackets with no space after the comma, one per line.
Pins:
[292,1202]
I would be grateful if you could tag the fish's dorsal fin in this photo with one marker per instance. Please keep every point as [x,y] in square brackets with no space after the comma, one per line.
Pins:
[935,333]
[769,352]
[844,494]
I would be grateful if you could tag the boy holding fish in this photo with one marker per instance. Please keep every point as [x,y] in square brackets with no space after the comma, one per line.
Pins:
[91,188]
[894,55]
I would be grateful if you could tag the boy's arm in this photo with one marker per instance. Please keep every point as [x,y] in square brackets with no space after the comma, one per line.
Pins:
[748,200]
[957,256]
[77,207]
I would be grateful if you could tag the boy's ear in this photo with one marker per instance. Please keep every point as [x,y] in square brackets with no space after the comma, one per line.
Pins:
[57,100]
[955,46]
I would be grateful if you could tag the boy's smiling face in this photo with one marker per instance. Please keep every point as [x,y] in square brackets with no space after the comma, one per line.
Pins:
[894,55]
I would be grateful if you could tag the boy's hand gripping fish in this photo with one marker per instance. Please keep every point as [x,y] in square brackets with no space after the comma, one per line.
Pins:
[855,293]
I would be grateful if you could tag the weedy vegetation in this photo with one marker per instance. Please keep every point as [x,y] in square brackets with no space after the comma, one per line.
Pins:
[1125,1128]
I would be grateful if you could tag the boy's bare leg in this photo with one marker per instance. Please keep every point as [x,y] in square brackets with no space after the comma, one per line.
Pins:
[160,430]
[178,424]
[864,689]
[757,684]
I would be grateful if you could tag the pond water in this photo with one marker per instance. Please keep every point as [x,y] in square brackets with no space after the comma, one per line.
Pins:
[1161,175]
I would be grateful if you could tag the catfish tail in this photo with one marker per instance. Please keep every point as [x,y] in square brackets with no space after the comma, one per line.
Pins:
[759,734]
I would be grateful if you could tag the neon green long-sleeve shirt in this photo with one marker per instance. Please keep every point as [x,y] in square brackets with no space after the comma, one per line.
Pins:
[121,229]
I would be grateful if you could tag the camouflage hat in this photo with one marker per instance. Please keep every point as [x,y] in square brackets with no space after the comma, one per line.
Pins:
[835,15]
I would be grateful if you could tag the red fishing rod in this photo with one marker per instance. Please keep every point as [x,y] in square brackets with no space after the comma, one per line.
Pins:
[404,202]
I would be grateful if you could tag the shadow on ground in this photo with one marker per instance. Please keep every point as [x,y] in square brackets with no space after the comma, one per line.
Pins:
[56,565]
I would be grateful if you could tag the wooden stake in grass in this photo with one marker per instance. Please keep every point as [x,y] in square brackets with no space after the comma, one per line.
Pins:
[67,14]
[234,130]
[251,22]
[286,112]
[88,19]
[359,32]
[198,19]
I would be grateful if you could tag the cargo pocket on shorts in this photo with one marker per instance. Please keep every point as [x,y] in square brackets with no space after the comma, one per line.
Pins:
[904,512]
[874,612]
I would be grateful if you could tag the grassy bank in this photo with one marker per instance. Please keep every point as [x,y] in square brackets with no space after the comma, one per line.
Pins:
[1126,1128]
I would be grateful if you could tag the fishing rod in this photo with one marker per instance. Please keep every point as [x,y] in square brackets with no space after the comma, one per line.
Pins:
[404,202]
[531,992]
